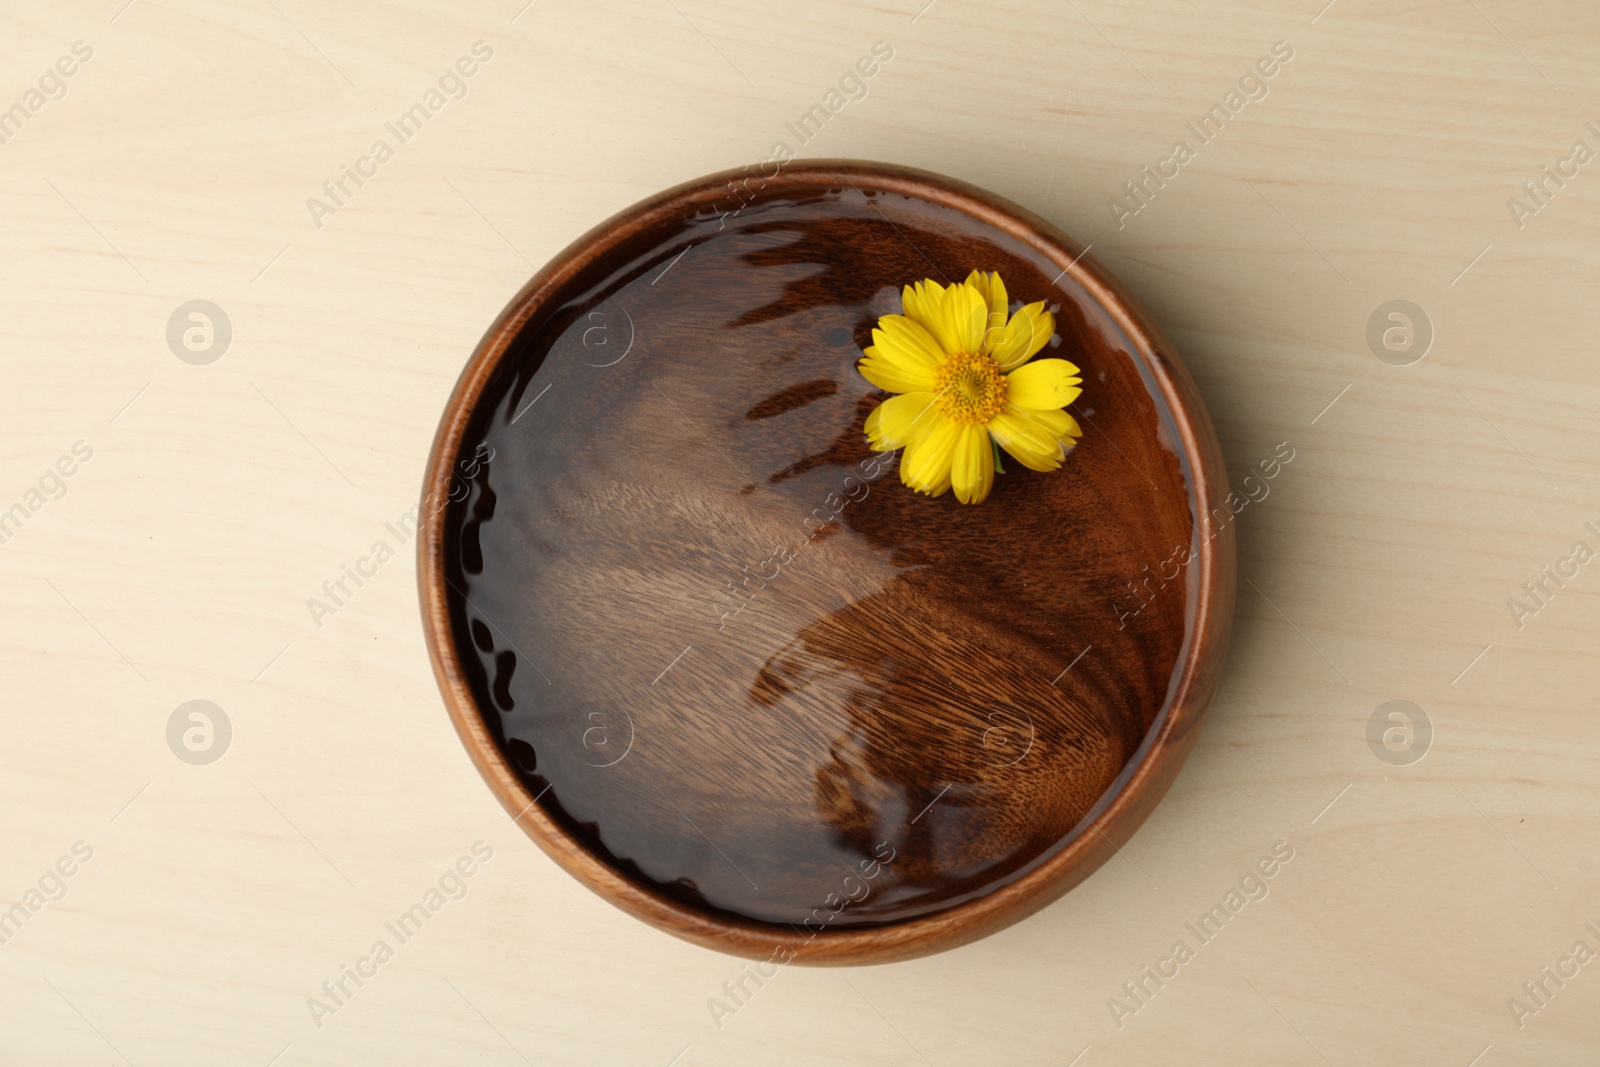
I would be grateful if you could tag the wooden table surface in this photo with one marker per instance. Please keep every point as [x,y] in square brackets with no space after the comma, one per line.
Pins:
[180,488]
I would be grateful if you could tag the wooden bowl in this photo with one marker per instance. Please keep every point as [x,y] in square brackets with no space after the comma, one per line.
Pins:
[733,676]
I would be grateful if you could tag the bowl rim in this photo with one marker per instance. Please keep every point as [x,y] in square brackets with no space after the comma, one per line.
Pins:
[1119,811]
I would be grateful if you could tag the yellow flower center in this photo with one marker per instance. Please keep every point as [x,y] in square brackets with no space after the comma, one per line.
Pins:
[970,388]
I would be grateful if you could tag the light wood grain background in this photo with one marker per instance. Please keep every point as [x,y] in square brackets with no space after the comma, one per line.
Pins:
[178,563]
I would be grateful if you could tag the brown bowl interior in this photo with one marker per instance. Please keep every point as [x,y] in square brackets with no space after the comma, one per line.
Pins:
[731,674]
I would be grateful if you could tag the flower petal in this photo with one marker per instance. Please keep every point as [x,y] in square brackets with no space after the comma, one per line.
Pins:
[925,464]
[1044,384]
[1027,442]
[1038,440]
[1061,424]
[921,301]
[1024,334]
[967,312]
[972,465]
[903,341]
[891,375]
[963,315]
[994,293]
[900,420]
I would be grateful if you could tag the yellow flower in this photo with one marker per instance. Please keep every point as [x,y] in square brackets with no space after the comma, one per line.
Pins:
[960,367]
